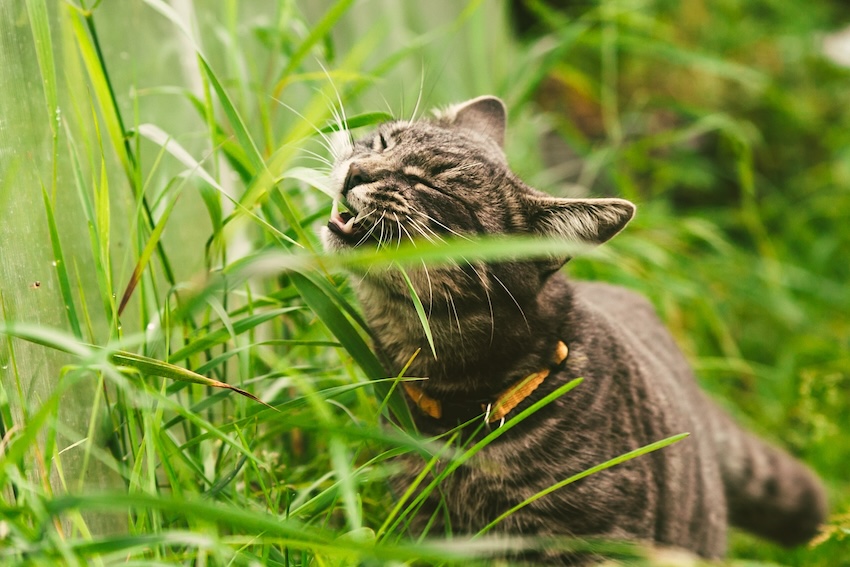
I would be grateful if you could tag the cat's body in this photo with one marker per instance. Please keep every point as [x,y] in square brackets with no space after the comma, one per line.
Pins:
[494,324]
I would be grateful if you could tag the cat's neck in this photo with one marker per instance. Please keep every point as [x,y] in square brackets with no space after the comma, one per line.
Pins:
[481,345]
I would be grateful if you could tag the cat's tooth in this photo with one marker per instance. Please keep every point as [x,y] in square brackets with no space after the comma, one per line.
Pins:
[349,226]
[335,209]
[360,216]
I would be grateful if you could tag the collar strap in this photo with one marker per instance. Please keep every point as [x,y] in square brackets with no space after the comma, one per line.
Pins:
[504,403]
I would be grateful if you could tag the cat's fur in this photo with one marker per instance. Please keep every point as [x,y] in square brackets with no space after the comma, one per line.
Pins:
[494,323]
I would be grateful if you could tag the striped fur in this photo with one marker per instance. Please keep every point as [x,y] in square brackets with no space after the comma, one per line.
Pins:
[493,323]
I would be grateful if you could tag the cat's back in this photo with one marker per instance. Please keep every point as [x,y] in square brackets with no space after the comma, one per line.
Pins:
[634,356]
[630,320]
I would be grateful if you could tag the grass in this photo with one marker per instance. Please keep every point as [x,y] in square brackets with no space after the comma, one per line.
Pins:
[178,199]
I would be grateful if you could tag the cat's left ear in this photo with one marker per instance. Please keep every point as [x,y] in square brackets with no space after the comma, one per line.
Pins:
[486,115]
[584,221]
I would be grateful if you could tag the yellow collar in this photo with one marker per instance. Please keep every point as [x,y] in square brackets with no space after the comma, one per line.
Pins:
[505,401]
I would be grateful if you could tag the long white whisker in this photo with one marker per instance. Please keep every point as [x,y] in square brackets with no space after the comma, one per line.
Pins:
[344,123]
[372,229]
[409,237]
[398,222]
[459,235]
[326,169]
[328,145]
[387,104]
[418,97]
[420,230]
[457,317]
[435,235]
[317,156]
[486,289]
[521,312]
[430,289]
[381,237]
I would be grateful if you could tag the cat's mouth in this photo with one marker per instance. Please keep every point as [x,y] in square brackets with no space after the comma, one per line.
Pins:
[348,226]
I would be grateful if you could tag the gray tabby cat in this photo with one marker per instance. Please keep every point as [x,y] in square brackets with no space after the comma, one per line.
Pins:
[495,323]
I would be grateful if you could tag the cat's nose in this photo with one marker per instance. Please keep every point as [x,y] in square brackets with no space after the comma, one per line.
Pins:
[356,176]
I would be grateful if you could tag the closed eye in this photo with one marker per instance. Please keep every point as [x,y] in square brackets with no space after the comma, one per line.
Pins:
[418,180]
[380,143]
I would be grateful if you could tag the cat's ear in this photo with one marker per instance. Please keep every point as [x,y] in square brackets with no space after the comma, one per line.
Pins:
[486,115]
[584,221]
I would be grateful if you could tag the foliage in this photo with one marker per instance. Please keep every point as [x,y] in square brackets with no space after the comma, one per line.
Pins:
[181,215]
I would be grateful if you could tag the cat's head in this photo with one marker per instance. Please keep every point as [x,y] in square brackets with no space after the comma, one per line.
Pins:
[448,177]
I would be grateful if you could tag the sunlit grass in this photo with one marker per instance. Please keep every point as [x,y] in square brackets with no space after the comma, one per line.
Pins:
[167,467]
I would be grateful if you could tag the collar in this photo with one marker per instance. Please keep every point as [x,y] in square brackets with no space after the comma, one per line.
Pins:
[504,403]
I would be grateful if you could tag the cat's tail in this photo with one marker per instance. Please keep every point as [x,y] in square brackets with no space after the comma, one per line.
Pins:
[768,492]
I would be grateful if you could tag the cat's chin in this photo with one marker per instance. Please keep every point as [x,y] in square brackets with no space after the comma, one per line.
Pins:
[332,242]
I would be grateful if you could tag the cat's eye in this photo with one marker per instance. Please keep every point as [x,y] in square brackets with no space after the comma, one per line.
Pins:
[417,180]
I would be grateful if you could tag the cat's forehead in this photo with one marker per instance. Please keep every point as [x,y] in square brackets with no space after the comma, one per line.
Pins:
[403,136]
[410,132]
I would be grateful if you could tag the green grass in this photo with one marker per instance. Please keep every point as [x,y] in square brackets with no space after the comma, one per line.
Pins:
[165,174]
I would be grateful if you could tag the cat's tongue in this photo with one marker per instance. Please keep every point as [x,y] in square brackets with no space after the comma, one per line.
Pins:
[342,222]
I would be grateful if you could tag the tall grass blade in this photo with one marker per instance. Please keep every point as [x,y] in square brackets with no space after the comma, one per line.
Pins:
[61,267]
[40,25]
[149,249]
[317,32]
[319,300]
[420,310]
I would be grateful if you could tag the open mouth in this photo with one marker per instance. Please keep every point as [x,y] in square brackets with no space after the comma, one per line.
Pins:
[347,226]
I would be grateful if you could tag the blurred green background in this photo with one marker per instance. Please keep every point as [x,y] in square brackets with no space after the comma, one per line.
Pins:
[175,140]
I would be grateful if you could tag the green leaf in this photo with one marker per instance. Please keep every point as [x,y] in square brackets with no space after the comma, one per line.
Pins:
[153,367]
[358,121]
[61,267]
[147,252]
[317,32]
[420,311]
[319,299]
[204,342]
[236,122]
[40,25]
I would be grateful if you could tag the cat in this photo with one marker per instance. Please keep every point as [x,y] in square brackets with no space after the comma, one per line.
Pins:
[495,323]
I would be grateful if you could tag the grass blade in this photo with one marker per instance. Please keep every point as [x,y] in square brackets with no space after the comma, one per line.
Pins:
[320,30]
[61,267]
[358,121]
[420,311]
[147,252]
[595,469]
[322,305]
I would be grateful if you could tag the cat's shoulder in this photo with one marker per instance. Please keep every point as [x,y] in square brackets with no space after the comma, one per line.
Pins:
[597,306]
[611,297]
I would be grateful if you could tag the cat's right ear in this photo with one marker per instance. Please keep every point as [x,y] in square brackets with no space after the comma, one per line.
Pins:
[486,115]
[583,221]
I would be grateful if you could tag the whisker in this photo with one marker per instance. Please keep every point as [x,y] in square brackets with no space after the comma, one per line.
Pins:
[328,145]
[457,317]
[321,160]
[387,104]
[437,236]
[409,237]
[372,229]
[435,221]
[420,230]
[398,222]
[521,312]
[486,289]
[343,125]
[430,289]
[418,97]
[317,156]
